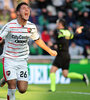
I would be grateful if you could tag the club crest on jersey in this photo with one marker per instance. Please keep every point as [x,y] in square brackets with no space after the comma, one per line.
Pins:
[29,30]
[8,73]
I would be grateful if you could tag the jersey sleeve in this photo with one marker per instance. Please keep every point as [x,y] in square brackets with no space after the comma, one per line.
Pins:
[35,34]
[65,33]
[4,31]
[69,34]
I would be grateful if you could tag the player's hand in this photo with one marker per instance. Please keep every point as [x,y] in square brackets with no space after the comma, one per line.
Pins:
[53,53]
[79,30]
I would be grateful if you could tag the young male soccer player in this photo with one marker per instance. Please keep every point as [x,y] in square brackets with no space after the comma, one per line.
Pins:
[62,60]
[17,33]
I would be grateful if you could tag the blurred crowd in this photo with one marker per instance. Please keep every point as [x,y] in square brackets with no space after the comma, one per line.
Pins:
[44,14]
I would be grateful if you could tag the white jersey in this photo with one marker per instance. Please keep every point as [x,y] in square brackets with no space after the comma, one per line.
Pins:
[16,39]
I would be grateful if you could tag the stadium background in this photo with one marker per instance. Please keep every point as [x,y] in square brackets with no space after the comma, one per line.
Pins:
[44,14]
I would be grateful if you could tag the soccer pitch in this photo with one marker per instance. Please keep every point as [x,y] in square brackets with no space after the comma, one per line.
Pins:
[73,91]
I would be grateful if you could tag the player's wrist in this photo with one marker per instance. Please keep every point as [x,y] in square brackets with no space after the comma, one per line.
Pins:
[49,51]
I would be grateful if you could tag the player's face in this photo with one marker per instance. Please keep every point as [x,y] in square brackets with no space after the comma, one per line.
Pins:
[60,26]
[24,12]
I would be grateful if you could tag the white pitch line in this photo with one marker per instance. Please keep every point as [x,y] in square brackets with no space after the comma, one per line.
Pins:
[85,93]
[72,92]
[69,92]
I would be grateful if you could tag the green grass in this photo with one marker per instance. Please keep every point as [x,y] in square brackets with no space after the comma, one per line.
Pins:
[73,91]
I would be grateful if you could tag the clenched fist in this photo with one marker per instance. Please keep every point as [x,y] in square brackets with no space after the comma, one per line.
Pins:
[53,52]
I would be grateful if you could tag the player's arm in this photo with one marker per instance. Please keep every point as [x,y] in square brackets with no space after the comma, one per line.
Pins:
[41,44]
[3,33]
[35,36]
[68,35]
[65,33]
[78,31]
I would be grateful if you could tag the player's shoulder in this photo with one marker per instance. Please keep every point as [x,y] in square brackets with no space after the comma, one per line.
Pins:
[31,24]
[12,22]
[64,31]
[7,25]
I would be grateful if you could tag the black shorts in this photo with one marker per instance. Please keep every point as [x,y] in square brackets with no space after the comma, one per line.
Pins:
[62,61]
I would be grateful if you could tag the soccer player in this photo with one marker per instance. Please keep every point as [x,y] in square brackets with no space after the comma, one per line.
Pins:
[62,60]
[17,33]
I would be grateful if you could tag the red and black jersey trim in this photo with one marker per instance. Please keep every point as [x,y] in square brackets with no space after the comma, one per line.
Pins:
[37,39]
[0,38]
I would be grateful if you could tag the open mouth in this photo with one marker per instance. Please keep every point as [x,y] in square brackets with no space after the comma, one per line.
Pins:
[26,14]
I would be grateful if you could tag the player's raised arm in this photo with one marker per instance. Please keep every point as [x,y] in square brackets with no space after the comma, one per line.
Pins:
[3,32]
[35,36]
[41,44]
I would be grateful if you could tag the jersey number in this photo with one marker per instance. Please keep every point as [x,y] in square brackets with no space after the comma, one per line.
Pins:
[23,74]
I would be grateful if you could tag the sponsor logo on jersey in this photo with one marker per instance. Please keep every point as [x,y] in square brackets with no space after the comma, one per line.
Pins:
[29,30]
[20,41]
[8,73]
[20,38]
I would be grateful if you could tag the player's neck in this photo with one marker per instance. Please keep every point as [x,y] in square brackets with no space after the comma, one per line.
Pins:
[21,21]
[61,27]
